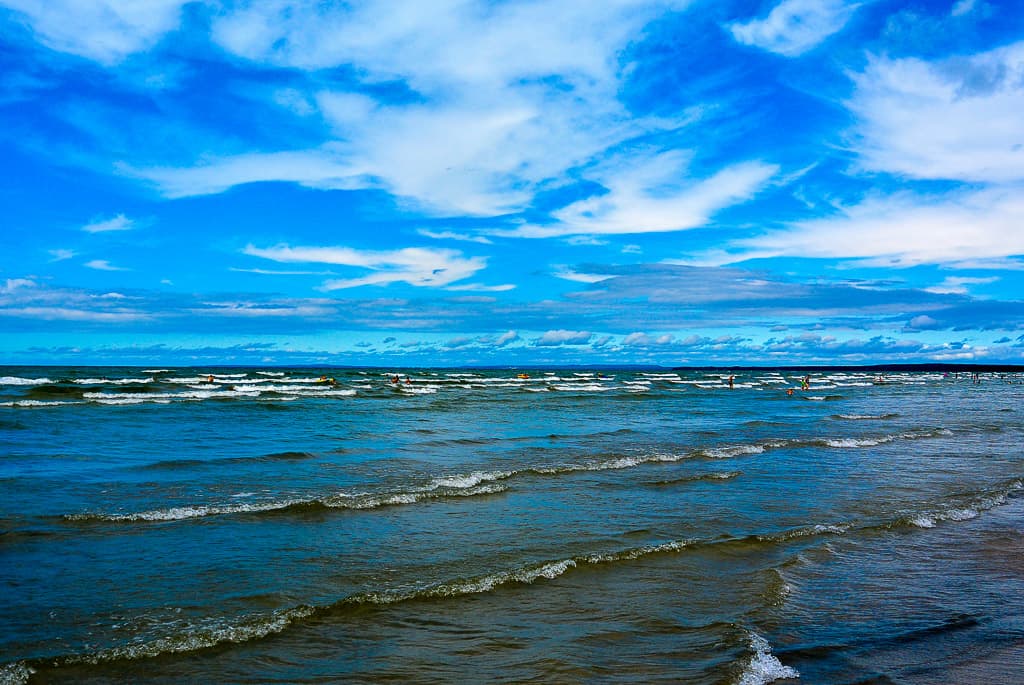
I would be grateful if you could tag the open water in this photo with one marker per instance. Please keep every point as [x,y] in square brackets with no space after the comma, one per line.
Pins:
[473,526]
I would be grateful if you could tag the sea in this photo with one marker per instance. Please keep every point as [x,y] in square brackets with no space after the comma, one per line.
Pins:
[320,525]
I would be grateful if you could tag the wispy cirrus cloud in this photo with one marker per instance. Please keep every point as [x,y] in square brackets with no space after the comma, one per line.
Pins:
[959,284]
[116,223]
[451,235]
[568,274]
[795,26]
[650,192]
[413,265]
[103,265]
[483,125]
[102,30]
[61,254]
[482,288]
[905,229]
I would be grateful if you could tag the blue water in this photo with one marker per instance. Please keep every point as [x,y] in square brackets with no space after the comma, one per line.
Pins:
[256,525]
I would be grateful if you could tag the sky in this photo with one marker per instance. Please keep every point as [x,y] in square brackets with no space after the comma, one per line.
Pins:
[512,182]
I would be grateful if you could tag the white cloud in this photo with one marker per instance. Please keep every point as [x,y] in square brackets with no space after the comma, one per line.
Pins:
[959,119]
[60,254]
[277,272]
[261,309]
[103,265]
[412,265]
[577,277]
[481,288]
[957,285]
[922,322]
[323,168]
[643,340]
[905,230]
[508,97]
[506,338]
[450,235]
[586,240]
[72,314]
[563,337]
[13,284]
[795,26]
[650,192]
[436,43]
[962,7]
[117,223]
[294,100]
[102,30]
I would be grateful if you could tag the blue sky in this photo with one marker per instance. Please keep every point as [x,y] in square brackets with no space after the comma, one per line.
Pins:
[512,182]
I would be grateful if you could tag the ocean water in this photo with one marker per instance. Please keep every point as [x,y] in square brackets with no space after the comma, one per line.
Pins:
[257,525]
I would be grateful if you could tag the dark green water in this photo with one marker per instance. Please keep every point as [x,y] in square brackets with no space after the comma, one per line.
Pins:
[473,526]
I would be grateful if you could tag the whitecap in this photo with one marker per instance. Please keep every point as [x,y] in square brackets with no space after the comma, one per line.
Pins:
[469,480]
[17,380]
[764,667]
[584,387]
[111,381]
[733,451]
[36,403]
[199,637]
[419,390]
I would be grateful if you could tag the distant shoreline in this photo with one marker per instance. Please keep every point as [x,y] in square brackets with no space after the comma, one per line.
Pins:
[870,368]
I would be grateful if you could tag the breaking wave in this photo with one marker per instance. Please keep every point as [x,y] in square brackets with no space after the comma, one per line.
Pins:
[764,667]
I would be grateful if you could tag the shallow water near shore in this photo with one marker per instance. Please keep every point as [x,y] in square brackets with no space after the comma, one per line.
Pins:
[317,525]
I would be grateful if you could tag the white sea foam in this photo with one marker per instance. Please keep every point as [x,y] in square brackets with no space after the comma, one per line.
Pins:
[273,374]
[199,637]
[638,552]
[487,583]
[858,442]
[17,380]
[15,673]
[470,480]
[419,389]
[764,667]
[37,403]
[342,500]
[112,381]
[733,451]
[582,387]
[165,397]
[864,417]
[967,510]
[368,501]
[881,440]
[187,512]
[807,531]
